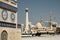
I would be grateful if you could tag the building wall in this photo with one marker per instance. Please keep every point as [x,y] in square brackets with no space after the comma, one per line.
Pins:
[13,33]
[9,2]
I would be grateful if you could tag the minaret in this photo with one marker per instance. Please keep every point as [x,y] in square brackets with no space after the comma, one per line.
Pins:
[26,28]
[51,22]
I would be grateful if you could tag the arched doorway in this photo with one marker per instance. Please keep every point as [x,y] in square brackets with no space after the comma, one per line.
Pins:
[4,35]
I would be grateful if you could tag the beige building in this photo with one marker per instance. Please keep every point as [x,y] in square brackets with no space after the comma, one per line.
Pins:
[39,25]
[8,20]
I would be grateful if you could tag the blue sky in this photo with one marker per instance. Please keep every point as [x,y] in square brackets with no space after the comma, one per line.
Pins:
[38,8]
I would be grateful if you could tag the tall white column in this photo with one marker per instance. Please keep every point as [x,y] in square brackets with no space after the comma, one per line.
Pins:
[51,22]
[26,28]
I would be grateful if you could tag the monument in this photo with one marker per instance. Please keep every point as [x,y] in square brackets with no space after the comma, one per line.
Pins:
[27,20]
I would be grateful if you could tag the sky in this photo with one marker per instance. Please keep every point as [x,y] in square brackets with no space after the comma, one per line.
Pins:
[38,9]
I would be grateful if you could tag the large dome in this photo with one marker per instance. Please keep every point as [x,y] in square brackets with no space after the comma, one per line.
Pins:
[39,25]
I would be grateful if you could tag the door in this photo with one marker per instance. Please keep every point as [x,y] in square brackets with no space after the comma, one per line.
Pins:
[4,35]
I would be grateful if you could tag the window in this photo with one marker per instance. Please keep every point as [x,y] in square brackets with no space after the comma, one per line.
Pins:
[14,1]
[4,14]
[12,16]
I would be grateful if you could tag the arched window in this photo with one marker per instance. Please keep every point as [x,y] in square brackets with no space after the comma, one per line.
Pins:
[4,35]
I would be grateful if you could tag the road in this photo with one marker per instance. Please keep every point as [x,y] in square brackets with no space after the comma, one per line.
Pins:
[56,37]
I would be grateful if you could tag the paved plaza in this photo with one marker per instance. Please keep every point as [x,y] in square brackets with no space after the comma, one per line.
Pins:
[56,37]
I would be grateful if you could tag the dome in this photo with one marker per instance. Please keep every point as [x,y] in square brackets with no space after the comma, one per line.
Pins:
[39,25]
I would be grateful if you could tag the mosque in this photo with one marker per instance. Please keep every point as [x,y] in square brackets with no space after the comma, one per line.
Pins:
[8,20]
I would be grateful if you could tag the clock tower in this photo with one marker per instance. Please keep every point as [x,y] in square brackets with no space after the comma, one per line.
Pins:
[8,20]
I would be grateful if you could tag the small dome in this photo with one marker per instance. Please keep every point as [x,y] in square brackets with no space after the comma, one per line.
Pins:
[39,25]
